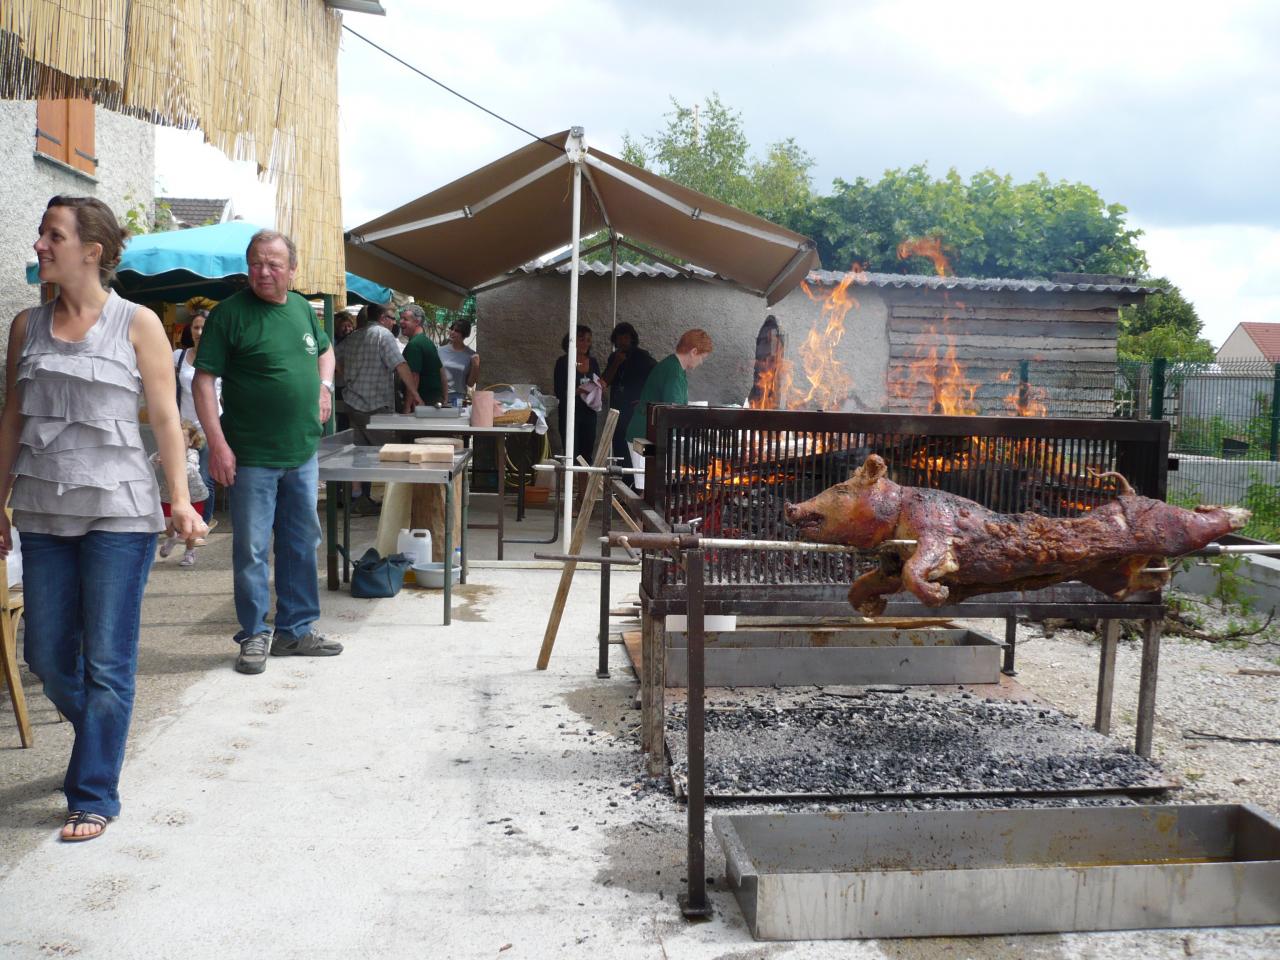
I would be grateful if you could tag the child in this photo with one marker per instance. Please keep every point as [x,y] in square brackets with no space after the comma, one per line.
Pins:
[195,484]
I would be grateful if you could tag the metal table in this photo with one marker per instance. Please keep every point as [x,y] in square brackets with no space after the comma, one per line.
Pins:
[404,423]
[341,462]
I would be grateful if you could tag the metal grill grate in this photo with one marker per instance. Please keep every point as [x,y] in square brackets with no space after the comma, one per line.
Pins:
[733,470]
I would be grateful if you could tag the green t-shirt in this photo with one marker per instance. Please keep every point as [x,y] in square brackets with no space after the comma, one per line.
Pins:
[424,359]
[667,383]
[266,354]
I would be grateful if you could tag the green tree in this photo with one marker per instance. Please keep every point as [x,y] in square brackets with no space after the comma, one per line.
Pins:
[1168,341]
[1167,309]
[705,148]
[989,225]
[1164,325]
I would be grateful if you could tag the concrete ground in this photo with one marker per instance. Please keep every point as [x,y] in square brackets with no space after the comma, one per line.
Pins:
[426,794]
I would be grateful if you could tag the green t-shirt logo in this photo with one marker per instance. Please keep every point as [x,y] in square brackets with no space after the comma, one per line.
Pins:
[310,343]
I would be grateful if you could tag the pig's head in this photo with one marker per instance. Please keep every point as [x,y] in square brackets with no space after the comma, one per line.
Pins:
[861,512]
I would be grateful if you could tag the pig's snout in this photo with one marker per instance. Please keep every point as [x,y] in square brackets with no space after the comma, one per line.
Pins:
[801,515]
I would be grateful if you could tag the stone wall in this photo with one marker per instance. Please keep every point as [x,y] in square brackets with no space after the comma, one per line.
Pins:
[125,148]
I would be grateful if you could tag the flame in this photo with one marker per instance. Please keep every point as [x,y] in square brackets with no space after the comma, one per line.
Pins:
[928,247]
[1025,400]
[949,391]
[828,382]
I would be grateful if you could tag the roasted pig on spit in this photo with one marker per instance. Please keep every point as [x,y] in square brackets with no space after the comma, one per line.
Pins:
[963,549]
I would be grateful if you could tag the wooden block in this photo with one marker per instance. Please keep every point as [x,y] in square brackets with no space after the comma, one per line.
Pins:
[396,452]
[455,442]
[432,454]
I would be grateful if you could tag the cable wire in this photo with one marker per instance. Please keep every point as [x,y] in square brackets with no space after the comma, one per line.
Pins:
[559,148]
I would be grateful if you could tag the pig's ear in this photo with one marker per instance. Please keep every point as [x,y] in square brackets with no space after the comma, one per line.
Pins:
[873,468]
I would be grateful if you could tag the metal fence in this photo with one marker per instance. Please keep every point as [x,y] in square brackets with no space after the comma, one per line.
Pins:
[1224,420]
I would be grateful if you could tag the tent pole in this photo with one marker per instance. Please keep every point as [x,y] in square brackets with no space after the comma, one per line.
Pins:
[330,425]
[571,364]
[613,283]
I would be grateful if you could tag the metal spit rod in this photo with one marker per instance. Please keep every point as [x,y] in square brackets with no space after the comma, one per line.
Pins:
[662,540]
[612,471]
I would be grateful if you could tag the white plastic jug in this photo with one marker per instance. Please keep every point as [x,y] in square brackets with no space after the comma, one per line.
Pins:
[417,544]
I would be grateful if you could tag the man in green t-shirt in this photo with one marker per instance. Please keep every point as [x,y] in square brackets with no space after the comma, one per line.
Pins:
[276,365]
[431,382]
[668,382]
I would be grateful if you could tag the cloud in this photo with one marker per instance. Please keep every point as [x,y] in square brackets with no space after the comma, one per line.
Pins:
[1230,273]
[1170,108]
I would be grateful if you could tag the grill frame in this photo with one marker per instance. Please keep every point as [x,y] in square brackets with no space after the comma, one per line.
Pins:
[683,439]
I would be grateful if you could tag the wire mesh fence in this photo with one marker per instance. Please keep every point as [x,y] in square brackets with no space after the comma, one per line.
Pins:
[1224,419]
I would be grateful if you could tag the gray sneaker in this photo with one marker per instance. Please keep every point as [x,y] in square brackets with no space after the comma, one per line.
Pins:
[310,644]
[253,653]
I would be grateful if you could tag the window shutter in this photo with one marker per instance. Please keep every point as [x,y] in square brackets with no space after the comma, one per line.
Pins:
[52,129]
[80,149]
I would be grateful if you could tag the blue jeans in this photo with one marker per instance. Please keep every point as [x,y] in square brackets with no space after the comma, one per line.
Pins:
[266,500]
[206,508]
[83,606]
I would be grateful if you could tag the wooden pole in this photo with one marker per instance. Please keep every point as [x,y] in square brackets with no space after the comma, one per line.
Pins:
[592,491]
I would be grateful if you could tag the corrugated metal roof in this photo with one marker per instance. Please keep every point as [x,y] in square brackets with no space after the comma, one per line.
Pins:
[830,278]
[626,268]
[195,211]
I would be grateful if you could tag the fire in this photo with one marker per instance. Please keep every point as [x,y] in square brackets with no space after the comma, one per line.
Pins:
[1026,400]
[929,248]
[947,390]
[828,382]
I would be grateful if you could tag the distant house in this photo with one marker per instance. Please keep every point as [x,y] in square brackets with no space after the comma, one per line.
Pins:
[1252,341]
[180,213]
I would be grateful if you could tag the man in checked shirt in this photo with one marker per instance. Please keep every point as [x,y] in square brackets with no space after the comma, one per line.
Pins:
[368,362]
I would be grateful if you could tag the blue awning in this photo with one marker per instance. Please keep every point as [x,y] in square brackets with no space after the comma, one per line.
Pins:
[176,265]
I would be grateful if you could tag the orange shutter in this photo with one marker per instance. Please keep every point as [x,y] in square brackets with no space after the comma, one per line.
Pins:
[80,151]
[52,129]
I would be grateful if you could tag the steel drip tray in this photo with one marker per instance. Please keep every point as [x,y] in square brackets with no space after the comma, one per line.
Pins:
[773,656]
[973,872]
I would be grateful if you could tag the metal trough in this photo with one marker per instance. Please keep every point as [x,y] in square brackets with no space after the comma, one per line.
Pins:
[975,872]
[831,656]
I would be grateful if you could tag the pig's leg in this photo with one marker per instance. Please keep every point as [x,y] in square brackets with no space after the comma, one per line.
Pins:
[867,595]
[933,558]
[1125,577]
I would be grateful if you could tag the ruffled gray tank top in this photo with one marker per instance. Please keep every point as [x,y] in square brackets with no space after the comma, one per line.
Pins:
[81,463]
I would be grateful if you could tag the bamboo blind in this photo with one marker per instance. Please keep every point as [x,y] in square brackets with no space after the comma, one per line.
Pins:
[259,79]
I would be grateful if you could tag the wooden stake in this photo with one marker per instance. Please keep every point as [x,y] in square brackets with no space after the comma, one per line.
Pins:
[589,496]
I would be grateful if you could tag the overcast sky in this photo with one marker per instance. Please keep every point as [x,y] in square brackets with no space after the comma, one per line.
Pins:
[1170,108]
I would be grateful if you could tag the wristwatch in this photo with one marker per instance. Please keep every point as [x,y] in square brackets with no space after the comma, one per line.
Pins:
[327,384]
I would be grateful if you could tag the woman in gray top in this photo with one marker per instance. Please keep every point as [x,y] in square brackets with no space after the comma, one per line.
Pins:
[73,469]
[461,363]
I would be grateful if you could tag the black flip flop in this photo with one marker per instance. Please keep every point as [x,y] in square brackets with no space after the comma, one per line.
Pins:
[78,817]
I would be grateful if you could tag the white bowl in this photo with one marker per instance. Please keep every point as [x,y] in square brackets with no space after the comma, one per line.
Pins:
[432,574]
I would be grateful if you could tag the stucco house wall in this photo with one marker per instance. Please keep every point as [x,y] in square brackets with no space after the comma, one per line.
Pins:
[1240,346]
[125,148]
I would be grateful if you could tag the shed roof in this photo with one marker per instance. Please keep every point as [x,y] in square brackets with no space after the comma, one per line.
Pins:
[1267,338]
[830,278]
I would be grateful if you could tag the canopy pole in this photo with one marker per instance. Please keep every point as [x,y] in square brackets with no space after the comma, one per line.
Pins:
[575,149]
[613,284]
